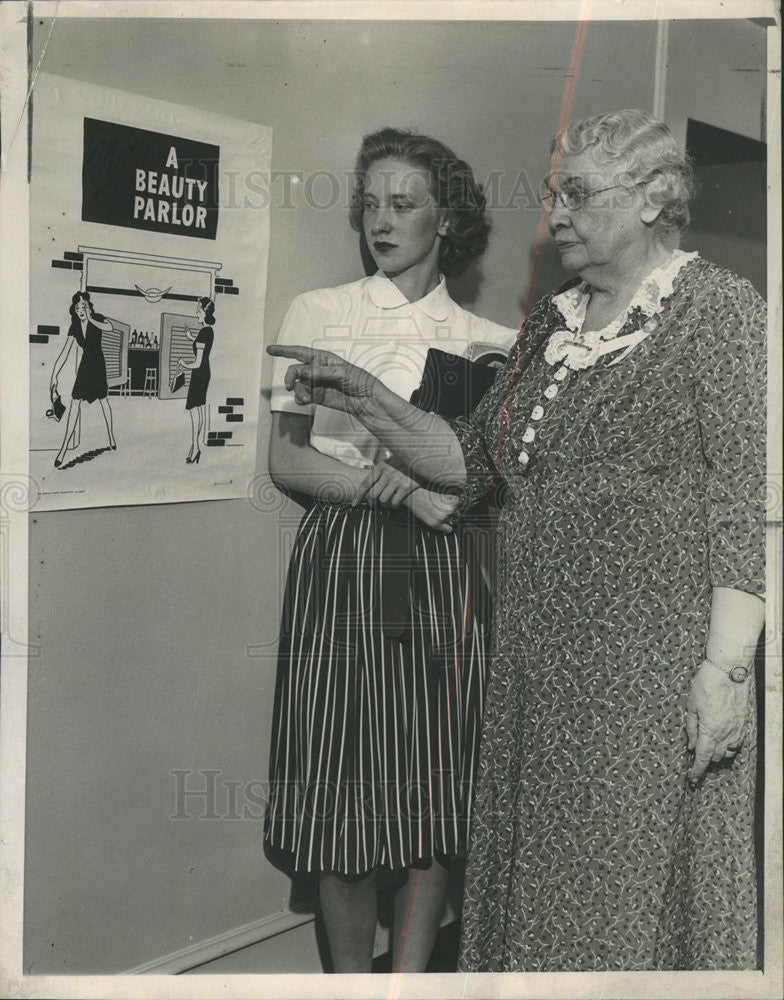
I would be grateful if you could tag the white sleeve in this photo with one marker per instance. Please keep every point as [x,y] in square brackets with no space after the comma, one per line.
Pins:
[303,324]
[484,331]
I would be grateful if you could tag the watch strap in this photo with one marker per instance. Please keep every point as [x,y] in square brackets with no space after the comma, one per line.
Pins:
[737,672]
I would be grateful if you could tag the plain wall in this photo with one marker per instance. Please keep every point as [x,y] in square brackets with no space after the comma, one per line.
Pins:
[707,61]
[716,74]
[156,626]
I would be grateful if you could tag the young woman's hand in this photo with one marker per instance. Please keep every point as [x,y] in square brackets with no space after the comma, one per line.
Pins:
[325,378]
[436,510]
[387,486]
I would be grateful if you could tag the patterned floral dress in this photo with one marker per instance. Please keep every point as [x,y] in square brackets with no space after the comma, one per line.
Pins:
[641,487]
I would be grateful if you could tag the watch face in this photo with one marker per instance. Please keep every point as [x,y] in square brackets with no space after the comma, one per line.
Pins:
[739,673]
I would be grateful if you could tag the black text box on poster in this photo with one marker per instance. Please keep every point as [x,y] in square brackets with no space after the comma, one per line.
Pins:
[140,179]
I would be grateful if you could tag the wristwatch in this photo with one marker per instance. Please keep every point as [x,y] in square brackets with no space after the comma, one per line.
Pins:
[737,672]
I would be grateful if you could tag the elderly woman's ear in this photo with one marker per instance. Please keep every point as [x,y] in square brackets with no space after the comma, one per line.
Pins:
[649,212]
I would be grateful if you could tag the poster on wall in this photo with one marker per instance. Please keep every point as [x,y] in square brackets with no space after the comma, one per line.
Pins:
[149,236]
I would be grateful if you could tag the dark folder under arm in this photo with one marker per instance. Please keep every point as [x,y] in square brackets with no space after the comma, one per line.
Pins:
[452,385]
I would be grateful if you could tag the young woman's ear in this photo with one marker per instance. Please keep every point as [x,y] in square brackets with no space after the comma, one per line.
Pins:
[443,226]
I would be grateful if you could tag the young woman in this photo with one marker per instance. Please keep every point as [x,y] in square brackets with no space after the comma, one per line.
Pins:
[199,368]
[90,382]
[381,665]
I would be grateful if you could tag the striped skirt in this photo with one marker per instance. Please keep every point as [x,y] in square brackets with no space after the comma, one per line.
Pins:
[379,695]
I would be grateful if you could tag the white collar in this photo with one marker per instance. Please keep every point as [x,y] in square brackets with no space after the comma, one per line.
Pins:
[385,294]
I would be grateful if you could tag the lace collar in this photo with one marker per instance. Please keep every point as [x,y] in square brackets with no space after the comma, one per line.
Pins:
[575,349]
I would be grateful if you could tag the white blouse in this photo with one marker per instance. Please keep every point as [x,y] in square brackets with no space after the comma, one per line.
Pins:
[370,323]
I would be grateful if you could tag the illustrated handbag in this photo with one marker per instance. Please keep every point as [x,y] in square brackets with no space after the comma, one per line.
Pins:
[57,409]
[177,382]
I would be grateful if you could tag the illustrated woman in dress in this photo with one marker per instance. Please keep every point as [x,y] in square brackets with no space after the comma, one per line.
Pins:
[381,665]
[90,383]
[200,375]
[614,814]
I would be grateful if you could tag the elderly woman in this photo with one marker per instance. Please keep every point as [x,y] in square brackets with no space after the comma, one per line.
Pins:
[629,428]
[381,668]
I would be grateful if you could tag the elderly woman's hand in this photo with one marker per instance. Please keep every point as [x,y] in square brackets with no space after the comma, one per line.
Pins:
[325,378]
[716,713]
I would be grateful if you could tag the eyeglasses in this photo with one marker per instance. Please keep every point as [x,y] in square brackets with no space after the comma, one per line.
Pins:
[574,198]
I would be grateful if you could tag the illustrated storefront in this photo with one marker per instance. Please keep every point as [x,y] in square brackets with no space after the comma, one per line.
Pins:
[152,300]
